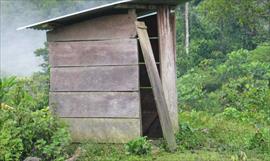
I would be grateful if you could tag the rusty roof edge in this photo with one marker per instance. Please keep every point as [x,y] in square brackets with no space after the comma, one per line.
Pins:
[72,14]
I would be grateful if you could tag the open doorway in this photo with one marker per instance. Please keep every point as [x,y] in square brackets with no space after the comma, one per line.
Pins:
[150,121]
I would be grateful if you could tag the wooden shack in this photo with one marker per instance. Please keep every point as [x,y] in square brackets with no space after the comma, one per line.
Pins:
[99,83]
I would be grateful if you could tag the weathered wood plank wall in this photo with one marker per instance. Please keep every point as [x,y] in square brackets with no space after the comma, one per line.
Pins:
[102,28]
[104,130]
[95,78]
[97,104]
[86,53]
[99,78]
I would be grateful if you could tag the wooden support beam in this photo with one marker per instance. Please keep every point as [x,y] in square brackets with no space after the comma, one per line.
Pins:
[136,6]
[155,81]
[167,62]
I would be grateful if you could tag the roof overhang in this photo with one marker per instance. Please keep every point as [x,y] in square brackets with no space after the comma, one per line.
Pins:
[97,11]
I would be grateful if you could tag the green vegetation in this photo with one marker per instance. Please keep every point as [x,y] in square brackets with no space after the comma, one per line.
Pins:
[27,127]
[240,82]
[202,136]
[139,146]
[224,95]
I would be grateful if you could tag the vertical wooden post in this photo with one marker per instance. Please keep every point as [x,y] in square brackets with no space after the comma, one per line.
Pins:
[167,62]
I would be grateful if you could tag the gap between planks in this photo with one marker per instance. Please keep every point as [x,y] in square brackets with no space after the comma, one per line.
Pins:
[135,91]
[124,118]
[115,39]
[89,66]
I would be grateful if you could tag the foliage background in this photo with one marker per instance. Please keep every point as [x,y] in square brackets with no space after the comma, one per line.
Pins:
[223,87]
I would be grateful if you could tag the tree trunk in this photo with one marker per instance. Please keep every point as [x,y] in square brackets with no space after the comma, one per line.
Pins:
[187,27]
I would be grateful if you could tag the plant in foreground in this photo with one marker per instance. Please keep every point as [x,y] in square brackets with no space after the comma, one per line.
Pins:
[139,146]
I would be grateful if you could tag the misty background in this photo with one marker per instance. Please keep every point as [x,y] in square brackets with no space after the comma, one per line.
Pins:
[17,47]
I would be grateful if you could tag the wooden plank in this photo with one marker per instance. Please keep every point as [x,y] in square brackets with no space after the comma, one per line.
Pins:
[104,130]
[136,6]
[173,28]
[102,78]
[115,26]
[152,70]
[86,53]
[167,63]
[96,104]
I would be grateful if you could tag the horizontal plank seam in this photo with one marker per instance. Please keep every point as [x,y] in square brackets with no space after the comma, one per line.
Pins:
[143,63]
[95,40]
[123,118]
[151,38]
[95,91]
[89,66]
[116,39]
[122,65]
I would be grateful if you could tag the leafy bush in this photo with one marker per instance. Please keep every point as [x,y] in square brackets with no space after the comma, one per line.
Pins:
[227,131]
[215,131]
[139,146]
[261,140]
[241,82]
[5,85]
[258,118]
[33,90]
[26,130]
[189,138]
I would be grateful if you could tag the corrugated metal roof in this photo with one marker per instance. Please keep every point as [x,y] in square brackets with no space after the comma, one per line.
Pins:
[86,14]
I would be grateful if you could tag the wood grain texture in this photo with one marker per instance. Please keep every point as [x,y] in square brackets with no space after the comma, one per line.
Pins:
[102,78]
[167,62]
[87,53]
[96,104]
[173,28]
[152,70]
[103,130]
[116,26]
